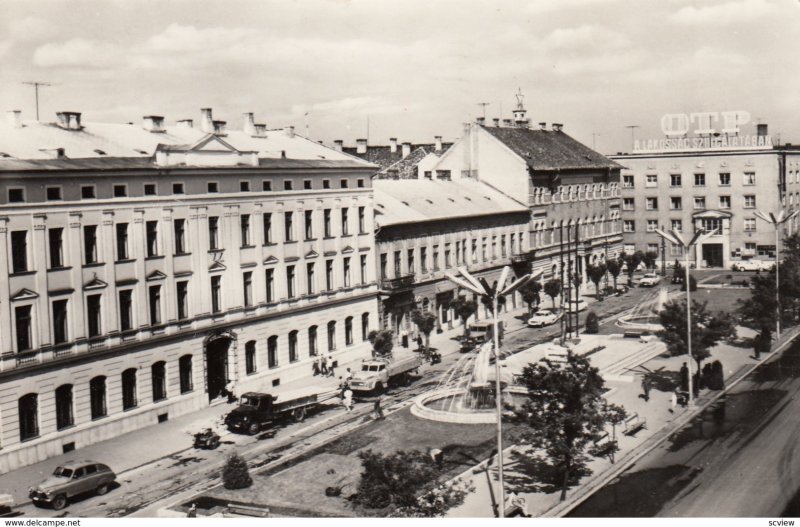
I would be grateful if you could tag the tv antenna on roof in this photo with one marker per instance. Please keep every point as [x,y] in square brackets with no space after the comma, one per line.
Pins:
[484,105]
[36,85]
[633,128]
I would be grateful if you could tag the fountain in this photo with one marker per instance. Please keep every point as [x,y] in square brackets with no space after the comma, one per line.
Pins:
[644,315]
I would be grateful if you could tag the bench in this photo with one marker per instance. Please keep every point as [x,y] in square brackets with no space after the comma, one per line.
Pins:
[604,446]
[632,334]
[248,510]
[633,424]
[515,506]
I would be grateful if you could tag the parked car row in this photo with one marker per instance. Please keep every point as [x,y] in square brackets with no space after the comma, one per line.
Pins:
[752,265]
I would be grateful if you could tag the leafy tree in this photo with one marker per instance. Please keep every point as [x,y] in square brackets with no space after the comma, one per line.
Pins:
[678,271]
[552,288]
[614,268]
[596,273]
[464,308]
[382,342]
[486,301]
[235,474]
[760,311]
[435,503]
[530,295]
[425,321]
[565,412]
[650,258]
[592,324]
[631,261]
[707,329]
[393,479]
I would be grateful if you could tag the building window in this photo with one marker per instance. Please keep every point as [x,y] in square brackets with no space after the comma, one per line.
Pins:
[270,286]
[120,191]
[158,373]
[90,243]
[312,341]
[627,181]
[182,296]
[652,225]
[267,218]
[364,327]
[185,367]
[652,248]
[28,416]
[651,203]
[22,316]
[484,250]
[177,188]
[397,264]
[64,414]
[19,251]
[332,335]
[60,332]
[93,313]
[474,251]
[384,265]
[266,186]
[213,187]
[326,183]
[345,222]
[213,233]
[306,184]
[288,223]
[53,193]
[423,259]
[247,288]
[362,220]
[287,185]
[699,180]
[150,189]
[724,179]
[244,186]
[244,228]
[55,241]
[627,204]
[346,271]
[326,216]
[129,389]
[676,225]
[293,353]
[154,294]
[503,251]
[97,397]
[676,249]
[675,203]
[699,202]
[125,309]
[122,241]
[360,183]
[750,248]
[16,195]
[152,238]
[310,278]
[724,202]
[329,275]
[216,290]
[179,227]
[750,202]
[435,254]
[712,224]
[749,224]
[749,178]
[250,357]
[348,331]
[290,281]
[363,269]
[629,225]
[272,352]
[651,180]
[87,191]
[675,180]
[344,183]
[309,224]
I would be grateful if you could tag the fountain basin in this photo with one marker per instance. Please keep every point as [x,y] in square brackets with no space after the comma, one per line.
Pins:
[425,406]
[639,322]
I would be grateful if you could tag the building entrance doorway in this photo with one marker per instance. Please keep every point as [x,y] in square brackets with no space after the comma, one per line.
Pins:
[217,366]
[712,254]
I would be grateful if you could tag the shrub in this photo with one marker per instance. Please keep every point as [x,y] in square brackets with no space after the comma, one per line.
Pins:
[692,284]
[235,474]
[592,325]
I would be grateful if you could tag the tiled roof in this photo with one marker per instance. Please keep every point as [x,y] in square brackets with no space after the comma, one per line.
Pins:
[384,157]
[406,168]
[550,150]
[419,200]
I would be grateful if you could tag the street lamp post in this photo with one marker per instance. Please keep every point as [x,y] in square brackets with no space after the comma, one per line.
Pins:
[675,237]
[776,221]
[484,290]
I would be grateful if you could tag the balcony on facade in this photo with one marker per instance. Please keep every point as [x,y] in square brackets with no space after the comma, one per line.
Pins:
[573,193]
[396,285]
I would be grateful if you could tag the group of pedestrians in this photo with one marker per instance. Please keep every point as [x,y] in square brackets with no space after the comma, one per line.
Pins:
[324,365]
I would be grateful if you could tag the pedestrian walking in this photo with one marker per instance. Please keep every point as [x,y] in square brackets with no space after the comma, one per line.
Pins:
[684,378]
[331,366]
[419,342]
[229,391]
[316,367]
[347,399]
[645,389]
[404,338]
[324,365]
[673,402]
[192,512]
[348,376]
[376,407]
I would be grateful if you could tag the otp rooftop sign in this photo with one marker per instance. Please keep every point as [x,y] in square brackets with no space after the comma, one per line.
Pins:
[711,130]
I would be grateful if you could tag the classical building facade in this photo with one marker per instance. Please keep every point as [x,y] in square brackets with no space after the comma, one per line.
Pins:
[699,184]
[149,265]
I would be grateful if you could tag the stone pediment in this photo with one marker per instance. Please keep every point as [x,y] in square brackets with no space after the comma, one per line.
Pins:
[312,254]
[216,266]
[270,260]
[155,275]
[711,214]
[347,250]
[94,283]
[24,294]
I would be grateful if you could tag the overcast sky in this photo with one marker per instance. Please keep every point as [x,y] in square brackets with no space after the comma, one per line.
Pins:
[413,68]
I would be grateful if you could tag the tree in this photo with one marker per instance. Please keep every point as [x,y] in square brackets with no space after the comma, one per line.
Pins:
[435,503]
[632,262]
[614,268]
[596,273]
[592,324]
[692,284]
[382,342]
[530,295]
[565,412]
[650,258]
[707,329]
[678,272]
[235,474]
[393,479]
[552,288]
[425,321]
[760,311]
[464,308]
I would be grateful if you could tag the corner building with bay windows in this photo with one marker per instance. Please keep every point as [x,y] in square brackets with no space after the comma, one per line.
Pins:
[149,265]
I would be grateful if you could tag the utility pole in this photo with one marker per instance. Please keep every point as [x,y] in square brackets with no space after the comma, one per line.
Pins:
[36,85]
[594,136]
[483,105]
[633,128]
[663,255]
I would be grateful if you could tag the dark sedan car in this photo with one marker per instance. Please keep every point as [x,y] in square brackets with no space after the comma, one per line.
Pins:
[71,479]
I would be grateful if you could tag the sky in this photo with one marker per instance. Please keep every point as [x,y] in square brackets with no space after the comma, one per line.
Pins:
[411,69]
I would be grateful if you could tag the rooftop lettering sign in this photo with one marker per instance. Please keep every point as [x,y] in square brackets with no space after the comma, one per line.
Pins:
[710,131]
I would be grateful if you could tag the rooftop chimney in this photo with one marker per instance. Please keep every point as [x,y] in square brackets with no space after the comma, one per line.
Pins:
[290,131]
[69,120]
[249,126]
[508,122]
[261,130]
[206,121]
[14,118]
[481,120]
[219,127]
[338,144]
[496,122]
[437,143]
[542,126]
[406,149]
[557,127]
[153,123]
[361,146]
[185,123]
[761,130]
[393,144]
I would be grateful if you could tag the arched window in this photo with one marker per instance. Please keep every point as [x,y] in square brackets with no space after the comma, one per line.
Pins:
[364,326]
[272,351]
[159,377]
[185,367]
[64,417]
[293,355]
[348,331]
[28,416]
[129,389]
[312,341]
[97,397]
[250,365]
[332,335]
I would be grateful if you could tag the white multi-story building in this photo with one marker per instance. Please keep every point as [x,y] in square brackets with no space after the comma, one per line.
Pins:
[147,266]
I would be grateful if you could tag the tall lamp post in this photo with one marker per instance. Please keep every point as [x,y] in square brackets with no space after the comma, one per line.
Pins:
[485,291]
[776,221]
[699,237]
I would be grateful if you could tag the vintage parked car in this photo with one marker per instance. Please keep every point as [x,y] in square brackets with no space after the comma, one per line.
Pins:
[752,265]
[650,280]
[544,317]
[70,479]
[576,306]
